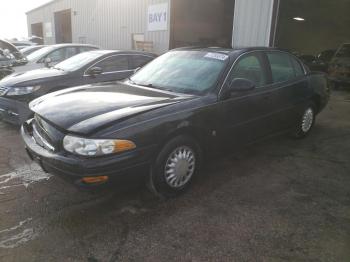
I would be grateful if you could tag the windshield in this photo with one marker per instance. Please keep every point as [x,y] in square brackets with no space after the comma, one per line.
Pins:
[344,51]
[192,72]
[39,53]
[78,61]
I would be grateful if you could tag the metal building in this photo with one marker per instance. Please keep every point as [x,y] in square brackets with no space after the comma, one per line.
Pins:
[155,25]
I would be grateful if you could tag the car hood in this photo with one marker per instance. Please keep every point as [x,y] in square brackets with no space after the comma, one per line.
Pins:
[85,109]
[27,67]
[32,75]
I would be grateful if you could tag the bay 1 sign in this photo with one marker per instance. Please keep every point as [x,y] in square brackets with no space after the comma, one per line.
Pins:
[158,17]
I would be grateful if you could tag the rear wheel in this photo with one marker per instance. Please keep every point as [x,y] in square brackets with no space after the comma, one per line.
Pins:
[306,121]
[175,167]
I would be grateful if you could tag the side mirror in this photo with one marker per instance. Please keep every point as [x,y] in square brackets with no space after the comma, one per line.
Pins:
[94,71]
[242,84]
[239,85]
[47,62]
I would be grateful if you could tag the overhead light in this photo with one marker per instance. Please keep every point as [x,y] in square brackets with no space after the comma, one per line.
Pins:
[299,19]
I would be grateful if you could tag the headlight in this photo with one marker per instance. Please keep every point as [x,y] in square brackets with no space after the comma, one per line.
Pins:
[18,91]
[96,147]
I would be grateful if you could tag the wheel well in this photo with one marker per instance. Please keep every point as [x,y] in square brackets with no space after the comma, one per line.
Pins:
[189,132]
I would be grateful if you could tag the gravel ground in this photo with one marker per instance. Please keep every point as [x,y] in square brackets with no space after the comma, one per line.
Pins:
[278,200]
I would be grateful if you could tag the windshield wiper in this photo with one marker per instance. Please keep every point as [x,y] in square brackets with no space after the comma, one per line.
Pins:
[150,85]
[140,84]
[57,68]
[131,81]
[146,85]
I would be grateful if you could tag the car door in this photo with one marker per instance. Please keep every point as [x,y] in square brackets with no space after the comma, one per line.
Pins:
[246,115]
[115,67]
[289,88]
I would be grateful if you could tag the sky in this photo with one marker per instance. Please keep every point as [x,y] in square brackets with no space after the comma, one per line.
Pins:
[13,20]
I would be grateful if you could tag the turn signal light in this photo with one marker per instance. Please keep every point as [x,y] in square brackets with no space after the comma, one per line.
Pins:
[123,145]
[95,179]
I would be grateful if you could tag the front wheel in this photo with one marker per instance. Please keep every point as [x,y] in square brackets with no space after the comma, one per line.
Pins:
[175,167]
[306,122]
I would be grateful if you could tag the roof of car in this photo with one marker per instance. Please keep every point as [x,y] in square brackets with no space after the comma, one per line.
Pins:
[228,51]
[72,44]
[105,52]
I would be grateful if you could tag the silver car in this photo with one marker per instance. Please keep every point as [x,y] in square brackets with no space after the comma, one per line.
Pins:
[52,55]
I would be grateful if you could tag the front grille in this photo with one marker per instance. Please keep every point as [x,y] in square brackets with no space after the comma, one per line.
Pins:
[40,135]
[3,90]
[40,139]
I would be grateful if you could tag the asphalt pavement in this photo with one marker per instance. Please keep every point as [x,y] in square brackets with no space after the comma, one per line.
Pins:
[278,200]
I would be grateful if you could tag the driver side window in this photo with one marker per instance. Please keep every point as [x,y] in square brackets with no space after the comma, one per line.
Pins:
[57,55]
[249,67]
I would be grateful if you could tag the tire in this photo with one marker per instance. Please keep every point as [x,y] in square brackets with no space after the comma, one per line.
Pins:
[306,121]
[167,180]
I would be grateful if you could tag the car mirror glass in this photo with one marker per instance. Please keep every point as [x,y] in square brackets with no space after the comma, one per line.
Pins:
[238,85]
[47,61]
[95,71]
[241,84]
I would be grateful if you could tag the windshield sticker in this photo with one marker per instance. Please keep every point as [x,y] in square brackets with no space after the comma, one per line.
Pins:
[216,56]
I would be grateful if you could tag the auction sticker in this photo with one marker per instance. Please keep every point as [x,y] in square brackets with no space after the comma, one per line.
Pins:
[216,56]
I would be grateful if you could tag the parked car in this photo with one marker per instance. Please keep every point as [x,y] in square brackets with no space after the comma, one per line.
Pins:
[11,52]
[18,89]
[5,70]
[36,39]
[308,60]
[5,64]
[5,60]
[339,69]
[172,114]
[31,49]
[322,60]
[9,56]
[319,62]
[52,55]
[22,44]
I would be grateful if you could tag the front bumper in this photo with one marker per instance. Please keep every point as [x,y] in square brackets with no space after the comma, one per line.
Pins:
[13,111]
[125,166]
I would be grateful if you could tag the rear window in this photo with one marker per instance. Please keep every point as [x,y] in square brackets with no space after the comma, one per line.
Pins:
[281,67]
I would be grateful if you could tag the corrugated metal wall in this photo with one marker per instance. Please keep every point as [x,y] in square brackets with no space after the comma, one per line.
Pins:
[252,23]
[132,18]
[109,24]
